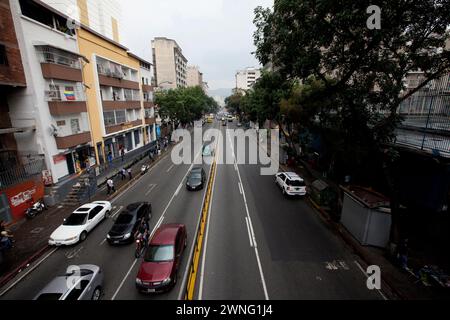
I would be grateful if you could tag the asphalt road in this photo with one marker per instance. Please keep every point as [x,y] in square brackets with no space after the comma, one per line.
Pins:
[261,245]
[164,187]
[258,244]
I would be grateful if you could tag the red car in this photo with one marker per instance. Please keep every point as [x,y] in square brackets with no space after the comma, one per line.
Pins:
[158,271]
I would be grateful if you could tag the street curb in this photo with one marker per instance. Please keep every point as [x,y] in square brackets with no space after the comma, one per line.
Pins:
[23,266]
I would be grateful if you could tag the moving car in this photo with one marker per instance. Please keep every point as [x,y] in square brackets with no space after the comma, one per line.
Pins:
[207,151]
[291,183]
[127,223]
[196,179]
[83,282]
[159,270]
[77,226]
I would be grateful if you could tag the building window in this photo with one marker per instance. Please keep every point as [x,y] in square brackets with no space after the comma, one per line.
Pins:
[3,56]
[136,137]
[61,123]
[121,116]
[109,118]
[75,125]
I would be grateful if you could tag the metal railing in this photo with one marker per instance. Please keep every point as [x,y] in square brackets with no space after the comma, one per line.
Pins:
[21,173]
[426,124]
[55,56]
[65,95]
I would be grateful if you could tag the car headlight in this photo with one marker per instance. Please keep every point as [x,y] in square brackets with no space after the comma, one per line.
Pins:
[127,236]
[139,281]
[108,236]
[70,239]
[166,281]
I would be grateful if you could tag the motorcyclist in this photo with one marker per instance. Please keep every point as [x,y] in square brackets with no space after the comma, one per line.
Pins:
[143,231]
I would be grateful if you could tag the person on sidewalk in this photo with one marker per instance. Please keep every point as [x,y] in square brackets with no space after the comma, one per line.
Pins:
[110,185]
[122,153]
[123,174]
[129,173]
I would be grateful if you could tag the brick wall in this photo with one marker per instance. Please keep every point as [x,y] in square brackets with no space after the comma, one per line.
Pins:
[11,74]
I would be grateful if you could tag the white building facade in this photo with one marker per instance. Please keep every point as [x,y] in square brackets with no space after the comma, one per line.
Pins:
[246,78]
[169,63]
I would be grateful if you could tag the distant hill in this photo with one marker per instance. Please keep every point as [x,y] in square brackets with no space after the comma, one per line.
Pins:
[223,92]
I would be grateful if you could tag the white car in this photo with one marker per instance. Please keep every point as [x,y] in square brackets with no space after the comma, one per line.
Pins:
[77,226]
[290,183]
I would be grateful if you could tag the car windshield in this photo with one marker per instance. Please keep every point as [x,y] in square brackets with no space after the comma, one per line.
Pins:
[196,175]
[159,253]
[124,218]
[75,219]
[49,296]
[295,183]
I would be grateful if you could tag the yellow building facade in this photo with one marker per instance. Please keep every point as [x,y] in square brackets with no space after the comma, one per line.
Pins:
[115,97]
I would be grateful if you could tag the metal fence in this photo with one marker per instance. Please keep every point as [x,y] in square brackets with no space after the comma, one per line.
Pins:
[21,173]
[426,124]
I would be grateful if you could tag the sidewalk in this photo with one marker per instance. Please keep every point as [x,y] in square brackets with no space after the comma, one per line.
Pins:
[31,236]
[398,284]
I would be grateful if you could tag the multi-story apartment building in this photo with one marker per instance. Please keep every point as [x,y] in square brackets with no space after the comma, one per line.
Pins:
[246,78]
[71,98]
[194,76]
[115,95]
[20,173]
[102,16]
[169,64]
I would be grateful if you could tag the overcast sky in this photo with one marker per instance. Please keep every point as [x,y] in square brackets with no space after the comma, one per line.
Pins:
[216,35]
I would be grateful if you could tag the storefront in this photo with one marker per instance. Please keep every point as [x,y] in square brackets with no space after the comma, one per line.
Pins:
[80,158]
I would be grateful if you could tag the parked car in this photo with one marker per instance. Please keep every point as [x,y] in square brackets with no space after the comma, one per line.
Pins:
[82,221]
[159,269]
[290,183]
[83,282]
[196,179]
[127,223]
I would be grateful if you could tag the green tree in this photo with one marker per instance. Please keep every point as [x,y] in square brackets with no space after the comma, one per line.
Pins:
[184,105]
[362,70]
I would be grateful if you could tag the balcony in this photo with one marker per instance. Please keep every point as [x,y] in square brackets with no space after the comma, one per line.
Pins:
[73,140]
[59,64]
[113,75]
[150,120]
[120,105]
[61,102]
[147,88]
[123,126]
[149,104]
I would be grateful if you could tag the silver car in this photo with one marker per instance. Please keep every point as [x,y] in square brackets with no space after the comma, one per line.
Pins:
[83,282]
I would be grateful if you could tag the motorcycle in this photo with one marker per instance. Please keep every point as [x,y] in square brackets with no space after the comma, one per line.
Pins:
[36,208]
[145,168]
[141,244]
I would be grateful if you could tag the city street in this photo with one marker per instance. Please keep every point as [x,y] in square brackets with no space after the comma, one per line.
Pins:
[258,245]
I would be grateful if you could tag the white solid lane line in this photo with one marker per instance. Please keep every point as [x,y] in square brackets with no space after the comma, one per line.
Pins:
[249,232]
[28,272]
[158,224]
[362,270]
[123,280]
[255,246]
[170,168]
[240,187]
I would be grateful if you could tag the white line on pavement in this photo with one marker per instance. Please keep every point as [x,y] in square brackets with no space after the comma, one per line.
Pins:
[362,270]
[115,213]
[123,280]
[28,272]
[240,187]
[101,243]
[255,246]
[178,189]
[170,168]
[249,232]
[152,186]
[158,224]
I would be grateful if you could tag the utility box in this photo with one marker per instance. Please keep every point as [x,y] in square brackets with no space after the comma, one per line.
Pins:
[367,216]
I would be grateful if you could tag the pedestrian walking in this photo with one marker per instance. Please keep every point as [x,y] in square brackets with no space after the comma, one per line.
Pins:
[122,153]
[123,174]
[129,173]
[110,185]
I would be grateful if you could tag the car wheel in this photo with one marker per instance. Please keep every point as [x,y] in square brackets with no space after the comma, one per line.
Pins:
[83,236]
[97,294]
